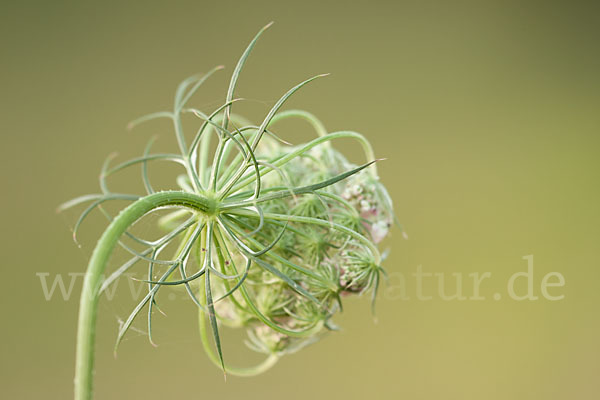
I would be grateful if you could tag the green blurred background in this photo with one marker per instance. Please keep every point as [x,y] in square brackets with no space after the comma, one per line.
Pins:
[487,113]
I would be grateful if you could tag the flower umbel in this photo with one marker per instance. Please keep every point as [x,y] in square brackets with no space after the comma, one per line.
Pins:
[270,235]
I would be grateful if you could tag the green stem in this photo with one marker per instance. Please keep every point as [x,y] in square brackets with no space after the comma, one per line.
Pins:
[317,125]
[239,371]
[258,369]
[90,295]
[281,160]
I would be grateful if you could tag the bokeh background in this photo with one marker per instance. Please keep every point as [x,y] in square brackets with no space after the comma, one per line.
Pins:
[487,113]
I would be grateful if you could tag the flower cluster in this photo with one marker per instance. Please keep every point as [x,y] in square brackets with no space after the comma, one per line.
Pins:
[269,236]
[339,253]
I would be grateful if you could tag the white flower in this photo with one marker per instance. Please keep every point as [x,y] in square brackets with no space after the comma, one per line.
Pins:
[379,230]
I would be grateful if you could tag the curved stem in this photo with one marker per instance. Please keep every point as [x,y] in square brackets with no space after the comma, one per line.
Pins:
[239,371]
[283,159]
[90,295]
[311,119]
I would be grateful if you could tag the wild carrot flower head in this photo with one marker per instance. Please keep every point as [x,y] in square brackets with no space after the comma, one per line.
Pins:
[271,235]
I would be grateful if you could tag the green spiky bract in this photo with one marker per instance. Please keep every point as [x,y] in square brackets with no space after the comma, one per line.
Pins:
[270,235]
